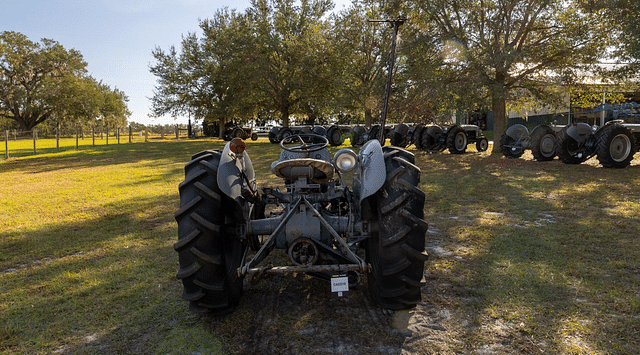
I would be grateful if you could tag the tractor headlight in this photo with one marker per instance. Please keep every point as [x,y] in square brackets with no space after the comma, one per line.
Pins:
[345,160]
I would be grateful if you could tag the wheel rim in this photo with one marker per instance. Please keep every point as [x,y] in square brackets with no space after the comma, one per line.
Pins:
[461,141]
[620,147]
[336,136]
[484,144]
[547,145]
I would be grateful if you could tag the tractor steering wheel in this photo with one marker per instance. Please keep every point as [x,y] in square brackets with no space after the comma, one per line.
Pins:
[303,146]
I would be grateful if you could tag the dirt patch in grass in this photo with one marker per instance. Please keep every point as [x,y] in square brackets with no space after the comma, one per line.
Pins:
[297,315]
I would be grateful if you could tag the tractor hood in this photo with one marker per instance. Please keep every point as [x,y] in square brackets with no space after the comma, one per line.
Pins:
[580,132]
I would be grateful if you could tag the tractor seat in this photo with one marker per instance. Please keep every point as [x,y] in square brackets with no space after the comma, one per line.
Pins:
[317,170]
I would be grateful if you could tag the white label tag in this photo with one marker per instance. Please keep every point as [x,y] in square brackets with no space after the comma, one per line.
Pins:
[339,285]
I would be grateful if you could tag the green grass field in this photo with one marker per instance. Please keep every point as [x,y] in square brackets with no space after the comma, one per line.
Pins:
[87,263]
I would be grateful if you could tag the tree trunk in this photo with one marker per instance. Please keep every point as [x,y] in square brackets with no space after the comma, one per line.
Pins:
[367,117]
[221,127]
[499,107]
[285,116]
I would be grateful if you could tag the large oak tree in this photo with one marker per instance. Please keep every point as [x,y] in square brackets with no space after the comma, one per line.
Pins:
[31,75]
[41,81]
[270,59]
[209,77]
[504,47]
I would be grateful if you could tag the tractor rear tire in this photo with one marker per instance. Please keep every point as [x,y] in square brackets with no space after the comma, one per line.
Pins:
[357,136]
[417,136]
[273,136]
[457,140]
[399,135]
[616,146]
[238,133]
[432,138]
[567,147]
[334,134]
[396,251]
[543,143]
[208,259]
[374,132]
[284,133]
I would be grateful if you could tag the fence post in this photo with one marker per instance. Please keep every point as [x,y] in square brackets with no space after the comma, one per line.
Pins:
[76,137]
[93,135]
[118,134]
[35,137]
[6,144]
[146,134]
[162,132]
[107,135]
[130,133]
[177,132]
[58,137]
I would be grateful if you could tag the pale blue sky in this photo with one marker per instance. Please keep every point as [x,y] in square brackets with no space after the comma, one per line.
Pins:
[116,37]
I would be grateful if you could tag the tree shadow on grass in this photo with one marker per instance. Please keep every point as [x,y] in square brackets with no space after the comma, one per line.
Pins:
[106,283]
[529,253]
[88,157]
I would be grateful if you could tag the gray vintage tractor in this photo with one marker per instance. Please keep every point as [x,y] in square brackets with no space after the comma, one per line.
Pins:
[320,224]
[516,139]
[455,138]
[614,144]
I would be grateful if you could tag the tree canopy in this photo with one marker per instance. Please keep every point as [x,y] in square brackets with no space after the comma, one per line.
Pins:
[282,58]
[360,49]
[270,60]
[508,48]
[39,81]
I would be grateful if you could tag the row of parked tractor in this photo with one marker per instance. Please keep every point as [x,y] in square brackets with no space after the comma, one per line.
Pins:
[455,138]
[614,143]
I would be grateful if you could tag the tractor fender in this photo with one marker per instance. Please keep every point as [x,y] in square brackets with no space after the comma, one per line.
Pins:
[372,174]
[435,131]
[275,131]
[518,132]
[230,170]
[580,132]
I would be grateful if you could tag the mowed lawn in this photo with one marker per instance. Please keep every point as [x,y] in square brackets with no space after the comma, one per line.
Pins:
[87,265]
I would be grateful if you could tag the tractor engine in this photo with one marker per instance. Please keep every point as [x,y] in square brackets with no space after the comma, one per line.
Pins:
[316,208]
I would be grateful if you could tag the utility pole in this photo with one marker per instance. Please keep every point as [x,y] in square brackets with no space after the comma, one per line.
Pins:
[396,23]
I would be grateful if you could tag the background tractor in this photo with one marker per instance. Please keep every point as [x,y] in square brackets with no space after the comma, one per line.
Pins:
[541,141]
[614,143]
[456,138]
[232,131]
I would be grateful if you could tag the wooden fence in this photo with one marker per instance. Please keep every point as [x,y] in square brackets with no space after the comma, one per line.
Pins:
[117,137]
